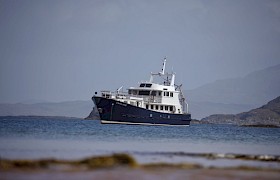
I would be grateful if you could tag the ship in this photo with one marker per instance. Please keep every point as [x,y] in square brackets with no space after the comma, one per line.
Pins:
[158,101]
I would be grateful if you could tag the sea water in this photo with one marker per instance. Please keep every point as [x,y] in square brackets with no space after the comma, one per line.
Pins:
[62,138]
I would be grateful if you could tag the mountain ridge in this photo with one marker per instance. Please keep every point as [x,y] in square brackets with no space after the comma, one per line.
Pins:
[268,114]
[227,96]
[241,90]
[249,91]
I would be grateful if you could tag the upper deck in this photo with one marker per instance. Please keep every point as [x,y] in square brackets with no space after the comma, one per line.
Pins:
[159,93]
[160,90]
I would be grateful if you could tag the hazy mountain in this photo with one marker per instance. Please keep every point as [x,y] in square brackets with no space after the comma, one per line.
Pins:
[268,114]
[200,110]
[228,96]
[236,94]
[70,109]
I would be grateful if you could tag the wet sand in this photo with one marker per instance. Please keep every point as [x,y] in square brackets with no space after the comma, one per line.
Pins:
[141,173]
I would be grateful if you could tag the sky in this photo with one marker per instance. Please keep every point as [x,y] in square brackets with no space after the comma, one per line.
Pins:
[64,50]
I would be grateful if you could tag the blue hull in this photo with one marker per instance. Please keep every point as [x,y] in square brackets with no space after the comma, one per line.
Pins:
[112,111]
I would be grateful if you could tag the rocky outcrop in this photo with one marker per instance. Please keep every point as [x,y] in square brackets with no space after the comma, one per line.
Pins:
[268,114]
[93,114]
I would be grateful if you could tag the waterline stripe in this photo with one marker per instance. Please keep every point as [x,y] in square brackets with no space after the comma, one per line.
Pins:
[130,123]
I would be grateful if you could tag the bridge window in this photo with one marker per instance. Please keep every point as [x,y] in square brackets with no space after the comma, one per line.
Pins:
[144,93]
[154,93]
[156,107]
[134,92]
[159,93]
[171,108]
[167,94]
[152,106]
[147,106]
[166,108]
[145,85]
[161,107]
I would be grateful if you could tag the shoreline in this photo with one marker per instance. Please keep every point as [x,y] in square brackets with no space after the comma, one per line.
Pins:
[193,121]
[124,166]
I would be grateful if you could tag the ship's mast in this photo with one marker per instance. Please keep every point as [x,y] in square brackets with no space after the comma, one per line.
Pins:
[168,82]
[160,73]
[163,67]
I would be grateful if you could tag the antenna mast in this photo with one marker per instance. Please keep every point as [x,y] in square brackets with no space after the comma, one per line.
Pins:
[163,67]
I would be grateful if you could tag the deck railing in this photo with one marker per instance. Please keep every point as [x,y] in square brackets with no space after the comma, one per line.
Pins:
[124,95]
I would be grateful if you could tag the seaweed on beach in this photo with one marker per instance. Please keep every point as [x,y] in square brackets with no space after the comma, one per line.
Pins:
[127,161]
[109,161]
[95,162]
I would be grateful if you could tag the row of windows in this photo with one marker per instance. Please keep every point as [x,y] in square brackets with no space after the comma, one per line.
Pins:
[144,93]
[152,93]
[160,107]
[166,93]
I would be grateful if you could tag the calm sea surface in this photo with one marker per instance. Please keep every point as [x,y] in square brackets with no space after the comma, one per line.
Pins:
[25,137]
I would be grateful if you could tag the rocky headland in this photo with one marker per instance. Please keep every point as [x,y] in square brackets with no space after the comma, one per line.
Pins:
[267,116]
[93,115]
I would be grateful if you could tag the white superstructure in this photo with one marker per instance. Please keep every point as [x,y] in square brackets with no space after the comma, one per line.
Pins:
[162,96]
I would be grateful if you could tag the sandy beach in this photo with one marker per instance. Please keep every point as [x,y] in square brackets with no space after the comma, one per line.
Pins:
[123,166]
[126,173]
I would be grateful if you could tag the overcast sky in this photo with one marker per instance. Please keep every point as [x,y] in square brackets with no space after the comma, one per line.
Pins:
[65,50]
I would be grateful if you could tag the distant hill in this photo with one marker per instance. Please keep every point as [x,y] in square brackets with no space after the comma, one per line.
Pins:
[79,109]
[268,114]
[236,94]
[200,110]
[228,96]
